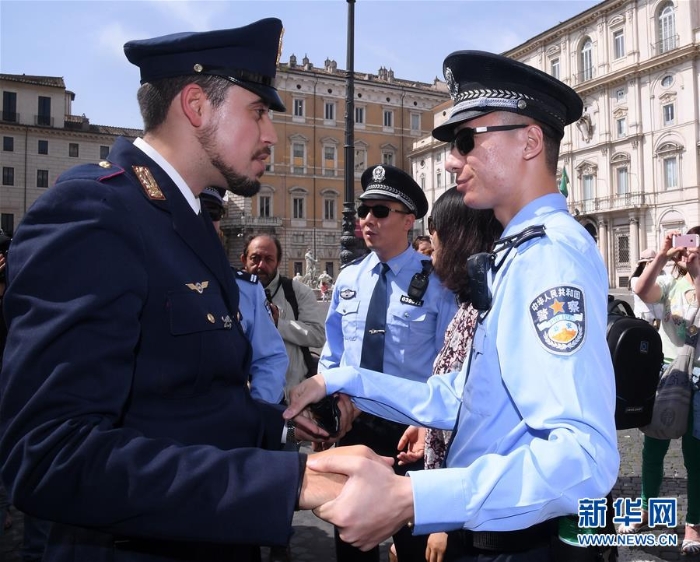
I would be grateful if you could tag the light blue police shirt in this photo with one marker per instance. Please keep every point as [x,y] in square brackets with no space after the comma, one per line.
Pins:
[414,330]
[269,357]
[536,428]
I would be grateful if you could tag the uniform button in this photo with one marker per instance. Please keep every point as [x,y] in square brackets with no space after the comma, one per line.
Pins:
[211,318]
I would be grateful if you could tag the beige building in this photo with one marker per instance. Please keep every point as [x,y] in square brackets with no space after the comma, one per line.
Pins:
[632,159]
[303,191]
[302,194]
[40,139]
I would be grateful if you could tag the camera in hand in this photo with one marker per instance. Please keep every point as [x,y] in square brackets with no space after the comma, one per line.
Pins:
[326,414]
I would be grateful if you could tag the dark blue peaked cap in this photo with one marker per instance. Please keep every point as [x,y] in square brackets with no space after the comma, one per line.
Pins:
[481,82]
[246,56]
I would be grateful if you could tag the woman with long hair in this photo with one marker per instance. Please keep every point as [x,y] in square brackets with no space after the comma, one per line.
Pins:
[456,232]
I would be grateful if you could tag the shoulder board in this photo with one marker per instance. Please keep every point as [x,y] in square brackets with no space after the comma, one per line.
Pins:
[355,261]
[245,276]
[96,172]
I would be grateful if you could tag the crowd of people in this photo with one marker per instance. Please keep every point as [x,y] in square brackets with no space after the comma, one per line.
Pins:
[152,399]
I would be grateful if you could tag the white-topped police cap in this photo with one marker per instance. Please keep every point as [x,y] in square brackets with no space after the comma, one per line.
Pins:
[481,82]
[212,195]
[389,182]
[246,56]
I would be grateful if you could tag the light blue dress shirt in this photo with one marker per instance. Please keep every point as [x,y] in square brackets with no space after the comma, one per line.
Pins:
[536,429]
[269,357]
[414,330]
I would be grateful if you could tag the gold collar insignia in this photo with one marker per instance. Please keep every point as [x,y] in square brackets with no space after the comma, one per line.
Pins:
[148,182]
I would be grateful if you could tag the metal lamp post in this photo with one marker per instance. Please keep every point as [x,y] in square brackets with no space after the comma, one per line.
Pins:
[347,238]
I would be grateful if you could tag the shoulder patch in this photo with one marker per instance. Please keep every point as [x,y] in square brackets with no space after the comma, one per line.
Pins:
[559,318]
[245,276]
[347,294]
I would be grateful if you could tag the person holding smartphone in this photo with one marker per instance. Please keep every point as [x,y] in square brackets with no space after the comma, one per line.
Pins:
[677,293]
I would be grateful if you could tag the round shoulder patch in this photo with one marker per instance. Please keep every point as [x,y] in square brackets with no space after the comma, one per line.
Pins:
[559,318]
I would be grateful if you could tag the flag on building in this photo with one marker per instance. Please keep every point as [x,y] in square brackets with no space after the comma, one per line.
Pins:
[563,183]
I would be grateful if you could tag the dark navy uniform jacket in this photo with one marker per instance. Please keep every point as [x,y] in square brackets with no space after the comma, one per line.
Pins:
[125,414]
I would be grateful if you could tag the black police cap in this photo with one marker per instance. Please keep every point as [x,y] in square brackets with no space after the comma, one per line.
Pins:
[481,82]
[388,182]
[246,56]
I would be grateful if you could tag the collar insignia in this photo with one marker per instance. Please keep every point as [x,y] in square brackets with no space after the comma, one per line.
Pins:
[199,287]
[149,183]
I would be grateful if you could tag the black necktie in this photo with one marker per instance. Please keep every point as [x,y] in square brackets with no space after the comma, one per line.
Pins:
[373,341]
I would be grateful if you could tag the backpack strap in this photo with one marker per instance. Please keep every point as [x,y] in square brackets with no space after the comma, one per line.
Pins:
[309,359]
[289,295]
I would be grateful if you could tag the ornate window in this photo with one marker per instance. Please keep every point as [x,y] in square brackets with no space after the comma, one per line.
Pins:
[587,60]
[667,29]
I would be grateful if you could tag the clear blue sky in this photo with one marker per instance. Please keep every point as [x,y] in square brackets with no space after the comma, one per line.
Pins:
[82,41]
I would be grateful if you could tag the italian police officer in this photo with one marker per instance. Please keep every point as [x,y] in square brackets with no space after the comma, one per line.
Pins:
[126,419]
[533,407]
[388,313]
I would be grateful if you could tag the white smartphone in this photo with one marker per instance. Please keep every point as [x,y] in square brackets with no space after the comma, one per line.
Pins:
[686,240]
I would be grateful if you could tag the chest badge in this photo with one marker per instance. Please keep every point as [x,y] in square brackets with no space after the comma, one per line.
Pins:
[559,318]
[198,287]
[347,294]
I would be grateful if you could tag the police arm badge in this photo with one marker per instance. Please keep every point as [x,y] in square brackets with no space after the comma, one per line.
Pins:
[559,318]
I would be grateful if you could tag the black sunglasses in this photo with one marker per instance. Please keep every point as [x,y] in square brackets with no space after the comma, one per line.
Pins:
[464,139]
[379,211]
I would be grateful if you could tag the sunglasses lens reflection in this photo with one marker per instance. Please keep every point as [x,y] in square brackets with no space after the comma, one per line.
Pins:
[464,141]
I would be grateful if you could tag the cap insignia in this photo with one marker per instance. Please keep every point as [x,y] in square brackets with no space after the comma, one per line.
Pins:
[198,67]
[279,49]
[452,84]
[378,173]
[149,183]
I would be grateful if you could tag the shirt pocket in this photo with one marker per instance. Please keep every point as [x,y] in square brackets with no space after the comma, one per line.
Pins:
[193,312]
[349,318]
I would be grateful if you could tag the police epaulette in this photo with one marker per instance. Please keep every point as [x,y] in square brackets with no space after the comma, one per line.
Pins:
[97,172]
[250,277]
[356,260]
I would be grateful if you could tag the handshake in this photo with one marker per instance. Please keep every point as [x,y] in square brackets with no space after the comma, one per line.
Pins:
[351,487]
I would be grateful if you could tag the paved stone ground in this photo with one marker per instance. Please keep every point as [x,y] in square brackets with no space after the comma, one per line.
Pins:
[313,538]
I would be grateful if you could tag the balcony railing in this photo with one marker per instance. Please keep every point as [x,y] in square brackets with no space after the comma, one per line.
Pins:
[607,204]
[10,116]
[586,74]
[667,44]
[244,221]
[43,120]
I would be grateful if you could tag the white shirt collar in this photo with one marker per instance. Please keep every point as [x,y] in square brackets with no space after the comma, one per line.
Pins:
[154,155]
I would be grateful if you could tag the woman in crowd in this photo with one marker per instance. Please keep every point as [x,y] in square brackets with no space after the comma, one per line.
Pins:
[679,293]
[456,233]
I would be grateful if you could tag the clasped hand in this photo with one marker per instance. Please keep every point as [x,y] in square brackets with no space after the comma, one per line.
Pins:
[351,487]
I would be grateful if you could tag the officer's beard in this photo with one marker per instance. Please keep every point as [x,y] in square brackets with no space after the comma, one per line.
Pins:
[235,182]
